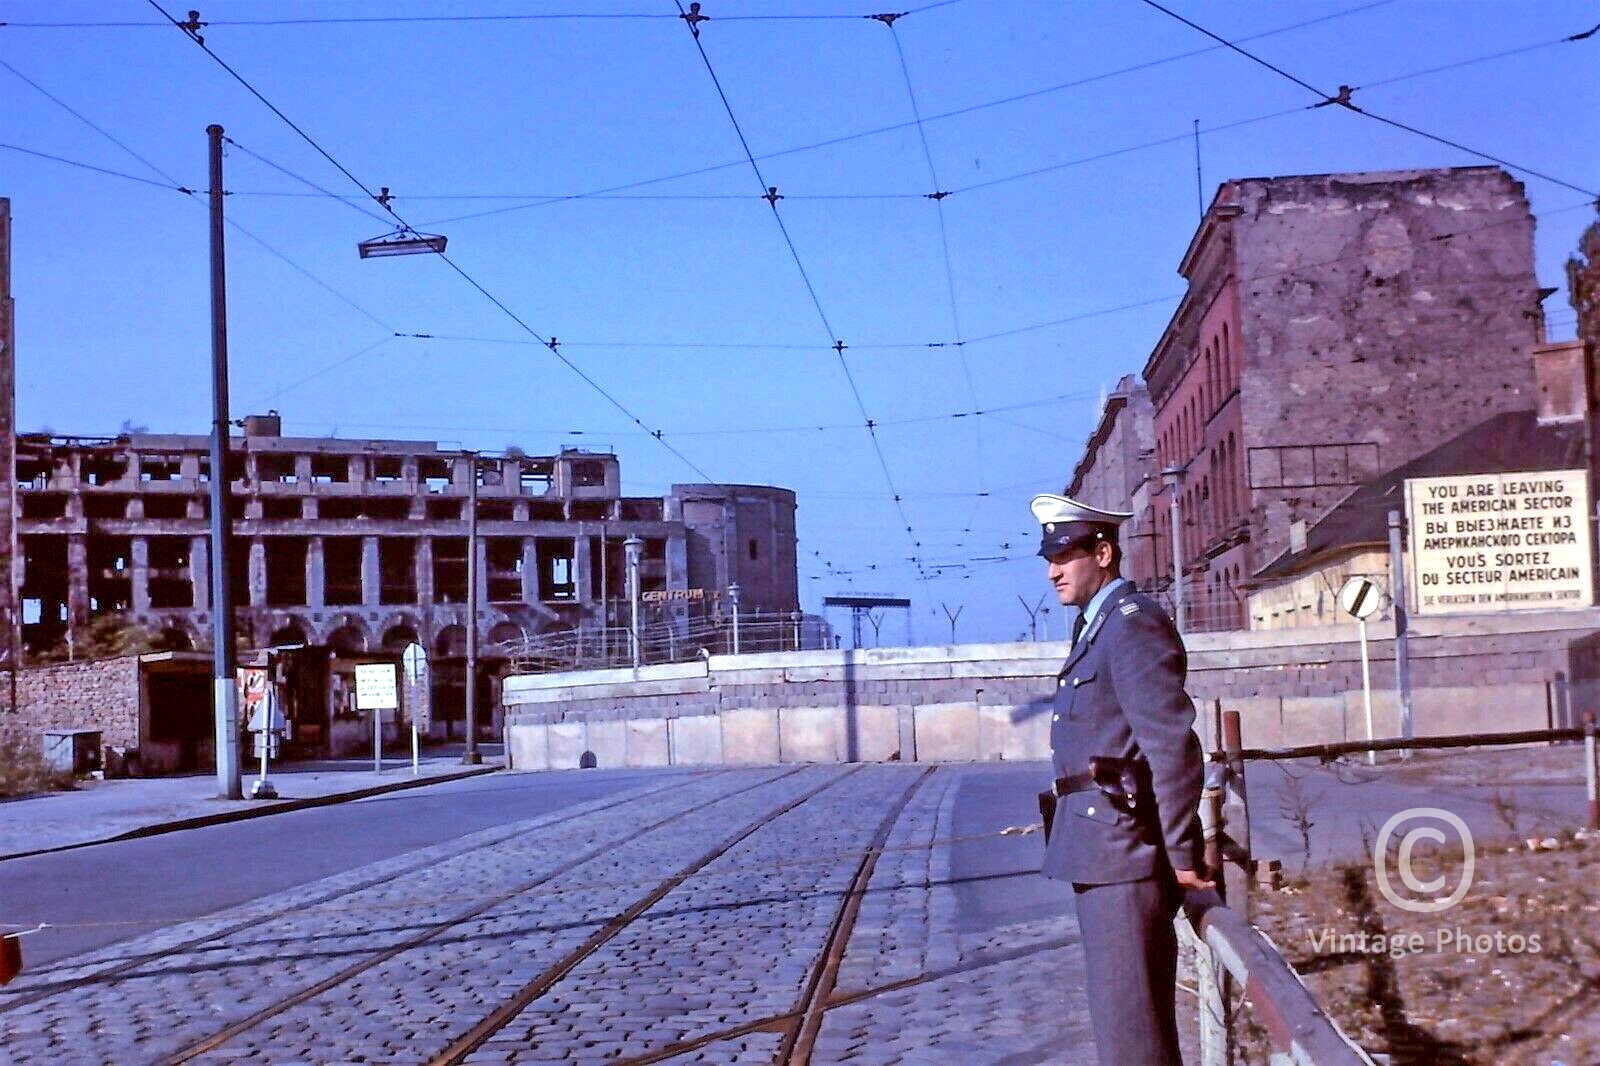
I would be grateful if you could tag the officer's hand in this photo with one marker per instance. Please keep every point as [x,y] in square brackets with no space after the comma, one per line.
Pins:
[1194,879]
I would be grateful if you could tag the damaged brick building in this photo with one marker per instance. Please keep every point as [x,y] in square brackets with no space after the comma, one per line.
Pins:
[361,545]
[1335,326]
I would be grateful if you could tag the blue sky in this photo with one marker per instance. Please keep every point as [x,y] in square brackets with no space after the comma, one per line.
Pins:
[1053,259]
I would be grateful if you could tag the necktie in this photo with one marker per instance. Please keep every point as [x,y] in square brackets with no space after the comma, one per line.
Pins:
[1077,628]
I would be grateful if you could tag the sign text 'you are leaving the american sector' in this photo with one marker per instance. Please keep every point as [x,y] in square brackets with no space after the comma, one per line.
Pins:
[1497,542]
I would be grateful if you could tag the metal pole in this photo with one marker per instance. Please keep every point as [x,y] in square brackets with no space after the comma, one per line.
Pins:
[1366,689]
[733,599]
[472,757]
[224,689]
[1402,651]
[1591,770]
[631,548]
[1173,477]
[605,603]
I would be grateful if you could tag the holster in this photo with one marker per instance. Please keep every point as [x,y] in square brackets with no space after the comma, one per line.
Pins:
[1124,782]
[1047,812]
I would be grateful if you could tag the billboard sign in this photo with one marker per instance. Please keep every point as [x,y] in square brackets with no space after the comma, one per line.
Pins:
[1486,543]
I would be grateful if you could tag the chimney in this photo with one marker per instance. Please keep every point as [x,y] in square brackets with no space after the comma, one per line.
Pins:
[1564,381]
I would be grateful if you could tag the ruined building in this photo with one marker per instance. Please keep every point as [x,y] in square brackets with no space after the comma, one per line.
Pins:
[1335,326]
[361,545]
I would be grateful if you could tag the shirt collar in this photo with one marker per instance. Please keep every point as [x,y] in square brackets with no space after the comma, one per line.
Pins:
[1099,599]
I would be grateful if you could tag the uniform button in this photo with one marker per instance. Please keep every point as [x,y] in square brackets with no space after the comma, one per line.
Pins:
[1089,811]
[1060,682]
[1055,718]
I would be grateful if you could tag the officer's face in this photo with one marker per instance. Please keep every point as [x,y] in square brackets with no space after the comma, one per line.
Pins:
[1078,573]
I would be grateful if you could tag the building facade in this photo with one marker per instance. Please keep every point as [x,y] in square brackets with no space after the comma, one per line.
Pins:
[361,545]
[1117,468]
[1335,326]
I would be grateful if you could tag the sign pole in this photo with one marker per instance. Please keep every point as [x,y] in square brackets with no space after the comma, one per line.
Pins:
[377,740]
[1366,689]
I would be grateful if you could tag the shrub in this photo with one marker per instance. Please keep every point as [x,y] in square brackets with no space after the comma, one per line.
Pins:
[23,770]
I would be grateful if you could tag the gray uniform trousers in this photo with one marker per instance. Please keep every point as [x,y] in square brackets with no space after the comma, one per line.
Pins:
[1131,951]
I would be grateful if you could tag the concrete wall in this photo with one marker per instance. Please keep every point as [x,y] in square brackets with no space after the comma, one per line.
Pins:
[992,701]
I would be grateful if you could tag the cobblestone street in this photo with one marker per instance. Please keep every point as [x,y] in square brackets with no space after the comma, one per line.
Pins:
[697,919]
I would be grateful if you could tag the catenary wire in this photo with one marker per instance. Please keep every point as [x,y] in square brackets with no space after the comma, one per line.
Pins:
[838,344]
[407,228]
[1342,99]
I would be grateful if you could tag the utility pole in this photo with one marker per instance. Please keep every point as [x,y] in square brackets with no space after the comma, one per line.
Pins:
[1033,615]
[472,757]
[630,550]
[952,618]
[224,689]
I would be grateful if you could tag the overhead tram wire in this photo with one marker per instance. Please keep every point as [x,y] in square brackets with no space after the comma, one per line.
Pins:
[176,186]
[894,127]
[1343,99]
[407,228]
[587,16]
[838,344]
[938,196]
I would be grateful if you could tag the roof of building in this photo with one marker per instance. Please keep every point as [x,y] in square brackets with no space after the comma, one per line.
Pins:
[1504,444]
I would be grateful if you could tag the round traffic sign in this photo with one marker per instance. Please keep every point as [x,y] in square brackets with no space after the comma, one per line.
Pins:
[1360,597]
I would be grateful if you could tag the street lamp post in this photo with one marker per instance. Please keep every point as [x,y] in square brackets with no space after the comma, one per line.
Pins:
[1172,478]
[631,549]
[733,599]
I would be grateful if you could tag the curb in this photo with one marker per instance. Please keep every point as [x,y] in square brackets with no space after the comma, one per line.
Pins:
[280,807]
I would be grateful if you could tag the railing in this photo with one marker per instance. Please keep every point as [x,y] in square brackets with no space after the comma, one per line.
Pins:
[664,642]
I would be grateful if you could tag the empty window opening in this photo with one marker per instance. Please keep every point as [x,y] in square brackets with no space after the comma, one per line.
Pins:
[755,549]
[112,507]
[450,569]
[167,506]
[503,560]
[435,474]
[536,476]
[110,565]
[280,509]
[103,469]
[555,569]
[171,583]
[546,511]
[279,468]
[330,469]
[44,506]
[33,472]
[44,591]
[588,473]
[641,510]
[387,510]
[341,571]
[160,467]
[385,469]
[494,510]
[286,571]
[591,510]
[445,510]
[397,570]
[338,508]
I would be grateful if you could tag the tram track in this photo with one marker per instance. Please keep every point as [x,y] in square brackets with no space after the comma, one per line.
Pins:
[127,968]
[434,930]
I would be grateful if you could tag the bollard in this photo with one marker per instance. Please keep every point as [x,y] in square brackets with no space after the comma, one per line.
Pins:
[1591,772]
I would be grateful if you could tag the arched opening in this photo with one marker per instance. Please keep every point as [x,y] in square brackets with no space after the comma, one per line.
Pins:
[451,643]
[507,633]
[396,637]
[173,638]
[348,639]
[288,635]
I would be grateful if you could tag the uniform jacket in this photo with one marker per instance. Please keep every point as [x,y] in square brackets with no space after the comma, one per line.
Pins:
[1121,694]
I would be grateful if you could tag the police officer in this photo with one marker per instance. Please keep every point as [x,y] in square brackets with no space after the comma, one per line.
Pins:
[1128,770]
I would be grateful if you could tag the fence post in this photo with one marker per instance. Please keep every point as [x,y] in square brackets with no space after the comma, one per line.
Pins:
[1235,838]
[1212,981]
[1591,772]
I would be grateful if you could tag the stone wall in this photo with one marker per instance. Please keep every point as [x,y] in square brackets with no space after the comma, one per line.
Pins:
[992,701]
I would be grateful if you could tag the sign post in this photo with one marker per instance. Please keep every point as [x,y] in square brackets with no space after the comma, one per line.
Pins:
[1360,597]
[376,692]
[414,660]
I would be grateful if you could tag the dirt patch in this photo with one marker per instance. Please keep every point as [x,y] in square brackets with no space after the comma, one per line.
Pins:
[1509,975]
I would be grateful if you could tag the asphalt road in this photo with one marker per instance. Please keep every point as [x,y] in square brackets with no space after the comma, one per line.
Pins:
[108,892]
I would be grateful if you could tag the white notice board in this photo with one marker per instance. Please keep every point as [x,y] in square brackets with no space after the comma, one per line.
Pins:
[1499,542]
[375,687]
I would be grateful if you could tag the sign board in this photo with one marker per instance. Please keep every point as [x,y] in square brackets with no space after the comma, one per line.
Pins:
[418,697]
[1360,597]
[375,687]
[1500,542]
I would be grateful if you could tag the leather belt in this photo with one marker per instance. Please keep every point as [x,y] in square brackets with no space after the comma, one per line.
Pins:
[1065,786]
